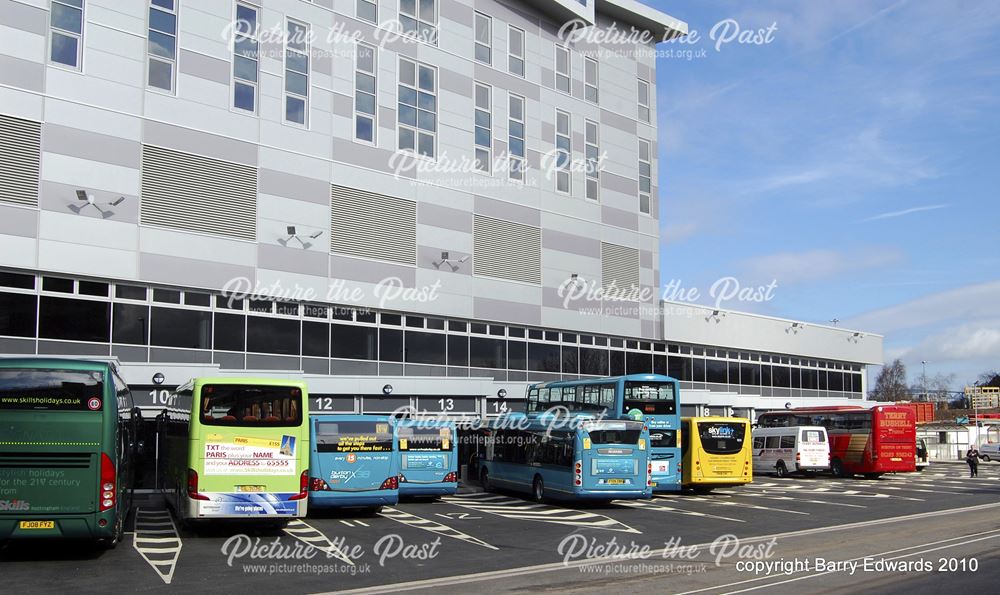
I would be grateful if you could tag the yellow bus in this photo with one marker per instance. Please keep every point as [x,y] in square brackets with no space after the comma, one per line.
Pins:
[715,452]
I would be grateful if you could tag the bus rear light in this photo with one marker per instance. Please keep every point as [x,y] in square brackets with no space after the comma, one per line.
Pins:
[108,480]
[318,485]
[303,487]
[578,481]
[579,466]
[452,476]
[390,484]
[192,488]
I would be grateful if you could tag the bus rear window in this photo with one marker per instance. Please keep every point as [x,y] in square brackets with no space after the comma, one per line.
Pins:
[414,438]
[241,405]
[51,390]
[614,432]
[663,438]
[353,436]
[721,438]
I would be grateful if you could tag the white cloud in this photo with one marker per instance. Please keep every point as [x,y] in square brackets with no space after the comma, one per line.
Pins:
[971,341]
[677,232]
[960,305]
[796,267]
[894,214]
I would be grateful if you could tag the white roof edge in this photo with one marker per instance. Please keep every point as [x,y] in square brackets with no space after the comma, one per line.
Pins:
[658,22]
[775,318]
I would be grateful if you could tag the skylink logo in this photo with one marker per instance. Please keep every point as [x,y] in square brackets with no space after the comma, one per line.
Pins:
[14,506]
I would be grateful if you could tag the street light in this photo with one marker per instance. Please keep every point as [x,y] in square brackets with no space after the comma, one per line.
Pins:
[923,378]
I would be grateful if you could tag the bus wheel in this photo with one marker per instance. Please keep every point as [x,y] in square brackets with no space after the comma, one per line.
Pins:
[484,479]
[538,489]
[373,510]
[837,468]
[780,470]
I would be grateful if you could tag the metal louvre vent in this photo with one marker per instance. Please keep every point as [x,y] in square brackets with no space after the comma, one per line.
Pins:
[370,225]
[507,250]
[195,193]
[619,264]
[20,156]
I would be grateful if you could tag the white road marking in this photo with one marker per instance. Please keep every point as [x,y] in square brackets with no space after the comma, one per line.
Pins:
[511,508]
[647,505]
[150,534]
[710,500]
[413,520]
[315,538]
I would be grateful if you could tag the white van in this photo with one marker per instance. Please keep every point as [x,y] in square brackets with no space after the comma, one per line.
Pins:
[781,451]
[989,451]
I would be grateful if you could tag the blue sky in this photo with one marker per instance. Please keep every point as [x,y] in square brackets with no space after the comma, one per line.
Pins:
[854,159]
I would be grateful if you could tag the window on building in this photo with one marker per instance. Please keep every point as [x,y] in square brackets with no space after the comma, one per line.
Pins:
[593,150]
[643,100]
[417,109]
[162,48]
[515,50]
[189,329]
[484,38]
[353,342]
[297,73]
[564,151]
[590,85]
[515,137]
[18,312]
[273,335]
[230,332]
[484,127]
[365,93]
[245,59]
[419,18]
[66,32]
[74,320]
[562,69]
[367,10]
[645,176]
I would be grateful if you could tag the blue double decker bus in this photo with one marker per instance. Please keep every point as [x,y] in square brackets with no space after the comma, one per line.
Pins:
[650,398]
[567,457]
[354,462]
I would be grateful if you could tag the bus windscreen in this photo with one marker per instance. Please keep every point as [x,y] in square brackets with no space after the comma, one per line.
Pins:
[663,438]
[353,436]
[239,405]
[721,438]
[650,398]
[416,438]
[51,390]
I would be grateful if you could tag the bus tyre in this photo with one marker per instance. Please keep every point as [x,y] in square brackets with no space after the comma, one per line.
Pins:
[837,468]
[484,479]
[538,489]
[373,510]
[780,470]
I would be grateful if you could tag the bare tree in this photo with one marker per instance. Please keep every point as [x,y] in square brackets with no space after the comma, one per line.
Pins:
[891,383]
[991,378]
[938,387]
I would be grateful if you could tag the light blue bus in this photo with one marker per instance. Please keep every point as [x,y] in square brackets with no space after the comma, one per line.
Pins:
[651,398]
[428,457]
[577,457]
[354,462]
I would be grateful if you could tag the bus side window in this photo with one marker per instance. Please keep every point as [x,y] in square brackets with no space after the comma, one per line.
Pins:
[758,443]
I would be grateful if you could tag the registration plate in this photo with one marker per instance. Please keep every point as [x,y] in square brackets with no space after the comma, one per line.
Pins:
[253,489]
[37,525]
[616,482]
[896,459]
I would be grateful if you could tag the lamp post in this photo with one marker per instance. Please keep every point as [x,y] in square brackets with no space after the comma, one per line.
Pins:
[923,378]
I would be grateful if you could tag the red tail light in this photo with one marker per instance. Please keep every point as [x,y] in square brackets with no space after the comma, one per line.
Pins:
[393,483]
[318,485]
[106,491]
[193,486]
[303,487]
[452,476]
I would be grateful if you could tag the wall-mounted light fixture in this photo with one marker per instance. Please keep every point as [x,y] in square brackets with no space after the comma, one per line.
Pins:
[795,328]
[716,315]
[88,200]
[294,236]
[158,378]
[387,389]
[502,393]
[452,263]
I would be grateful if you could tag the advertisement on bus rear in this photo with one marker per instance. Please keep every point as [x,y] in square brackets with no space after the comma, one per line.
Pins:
[241,455]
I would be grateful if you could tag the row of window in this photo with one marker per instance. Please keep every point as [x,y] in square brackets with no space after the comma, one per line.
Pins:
[141,324]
